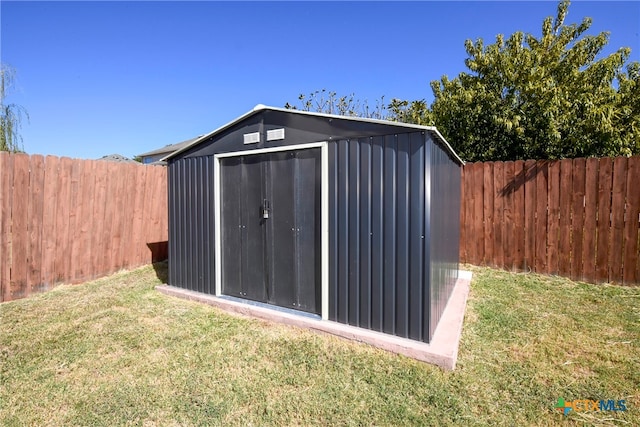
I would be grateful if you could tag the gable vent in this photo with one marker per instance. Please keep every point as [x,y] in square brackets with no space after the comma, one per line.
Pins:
[275,134]
[251,138]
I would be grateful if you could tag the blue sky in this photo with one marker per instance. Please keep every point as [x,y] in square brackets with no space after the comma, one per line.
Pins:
[128,77]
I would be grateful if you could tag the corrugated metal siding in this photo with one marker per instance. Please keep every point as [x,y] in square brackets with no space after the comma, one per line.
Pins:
[445,230]
[191,230]
[377,224]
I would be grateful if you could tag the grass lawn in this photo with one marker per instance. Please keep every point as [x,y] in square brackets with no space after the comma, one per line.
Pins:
[116,352]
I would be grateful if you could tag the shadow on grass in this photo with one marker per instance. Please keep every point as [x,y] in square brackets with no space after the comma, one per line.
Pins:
[162,271]
[159,256]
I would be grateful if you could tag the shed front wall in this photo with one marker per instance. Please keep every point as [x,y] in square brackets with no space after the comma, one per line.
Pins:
[191,226]
[393,226]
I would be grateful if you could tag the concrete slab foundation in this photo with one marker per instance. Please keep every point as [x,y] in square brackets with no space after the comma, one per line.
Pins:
[441,351]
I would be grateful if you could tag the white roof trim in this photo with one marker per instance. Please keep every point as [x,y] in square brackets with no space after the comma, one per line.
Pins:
[261,107]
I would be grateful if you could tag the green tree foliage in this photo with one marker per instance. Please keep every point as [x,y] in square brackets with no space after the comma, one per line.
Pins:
[541,98]
[416,112]
[10,114]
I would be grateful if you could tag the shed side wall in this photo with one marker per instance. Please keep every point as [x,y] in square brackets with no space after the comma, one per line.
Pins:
[444,243]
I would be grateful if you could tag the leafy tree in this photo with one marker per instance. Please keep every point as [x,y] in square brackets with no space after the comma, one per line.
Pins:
[544,98]
[10,114]
[416,112]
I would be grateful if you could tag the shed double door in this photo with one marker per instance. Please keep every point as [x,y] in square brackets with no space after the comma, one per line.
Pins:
[270,226]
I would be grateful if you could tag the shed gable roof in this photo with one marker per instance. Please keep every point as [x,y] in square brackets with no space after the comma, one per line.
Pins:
[261,108]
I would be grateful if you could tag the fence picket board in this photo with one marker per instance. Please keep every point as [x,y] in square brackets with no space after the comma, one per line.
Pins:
[74,221]
[632,224]
[603,227]
[110,212]
[470,244]
[126,245]
[148,216]
[19,226]
[540,254]
[590,213]
[87,223]
[564,226]
[62,221]
[616,250]
[487,205]
[508,231]
[498,215]
[553,217]
[577,217]
[464,205]
[6,181]
[160,229]
[529,213]
[35,198]
[99,238]
[138,175]
[151,221]
[137,204]
[519,172]
[116,225]
[478,229]
[49,221]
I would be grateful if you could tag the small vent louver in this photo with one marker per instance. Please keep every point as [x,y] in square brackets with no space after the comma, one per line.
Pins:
[251,138]
[275,134]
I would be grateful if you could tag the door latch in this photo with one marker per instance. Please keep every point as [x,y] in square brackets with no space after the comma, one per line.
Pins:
[266,209]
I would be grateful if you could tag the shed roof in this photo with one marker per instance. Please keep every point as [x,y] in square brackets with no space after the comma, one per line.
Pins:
[259,108]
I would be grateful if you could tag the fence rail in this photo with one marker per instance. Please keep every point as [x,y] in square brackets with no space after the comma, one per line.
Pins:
[577,217]
[67,221]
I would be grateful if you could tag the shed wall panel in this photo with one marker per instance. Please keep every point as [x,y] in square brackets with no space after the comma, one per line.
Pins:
[364,233]
[402,255]
[353,227]
[389,194]
[377,232]
[333,227]
[417,240]
[342,254]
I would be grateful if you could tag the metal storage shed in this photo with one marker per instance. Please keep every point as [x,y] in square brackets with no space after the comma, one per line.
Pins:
[348,219]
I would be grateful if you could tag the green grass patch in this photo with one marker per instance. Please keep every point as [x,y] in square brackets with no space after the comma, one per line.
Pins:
[116,352]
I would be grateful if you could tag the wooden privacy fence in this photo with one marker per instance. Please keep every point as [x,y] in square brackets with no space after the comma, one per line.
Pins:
[577,217]
[64,220]
[67,221]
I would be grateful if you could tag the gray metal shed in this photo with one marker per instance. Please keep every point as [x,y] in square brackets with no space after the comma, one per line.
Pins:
[348,219]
